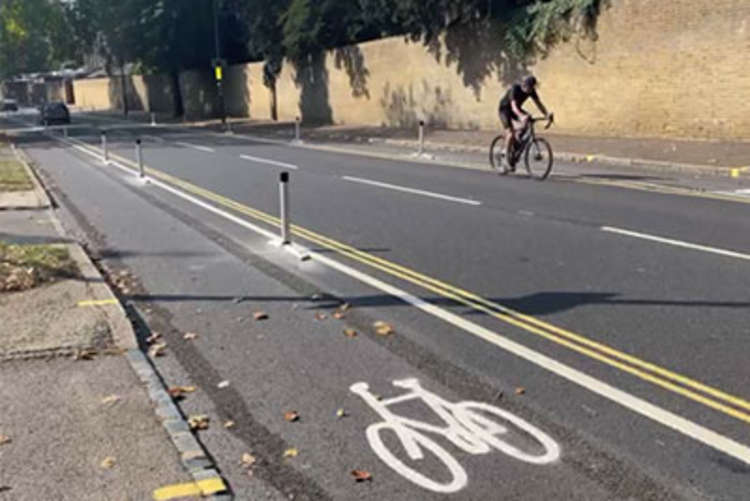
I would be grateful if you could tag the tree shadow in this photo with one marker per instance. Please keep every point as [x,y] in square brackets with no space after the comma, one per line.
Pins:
[311,77]
[503,43]
[404,106]
[237,96]
[352,60]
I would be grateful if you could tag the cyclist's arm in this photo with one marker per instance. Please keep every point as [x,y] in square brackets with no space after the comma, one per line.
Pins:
[517,109]
[539,104]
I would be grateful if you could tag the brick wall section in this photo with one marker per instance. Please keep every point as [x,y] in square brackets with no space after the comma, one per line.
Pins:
[660,68]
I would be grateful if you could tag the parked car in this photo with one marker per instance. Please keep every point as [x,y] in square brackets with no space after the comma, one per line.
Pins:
[54,113]
[9,105]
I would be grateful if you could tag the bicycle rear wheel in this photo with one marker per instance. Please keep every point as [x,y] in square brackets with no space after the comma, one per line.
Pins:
[497,154]
[538,159]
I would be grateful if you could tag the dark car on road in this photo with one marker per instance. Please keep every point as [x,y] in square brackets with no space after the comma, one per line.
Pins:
[9,105]
[54,113]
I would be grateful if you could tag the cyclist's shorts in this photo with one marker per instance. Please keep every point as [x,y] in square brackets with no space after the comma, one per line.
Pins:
[506,116]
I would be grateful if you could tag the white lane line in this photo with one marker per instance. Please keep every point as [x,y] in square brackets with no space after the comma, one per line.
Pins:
[636,404]
[195,146]
[411,190]
[269,162]
[737,193]
[677,243]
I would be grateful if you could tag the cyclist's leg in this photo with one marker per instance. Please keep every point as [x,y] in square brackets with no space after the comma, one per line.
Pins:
[507,122]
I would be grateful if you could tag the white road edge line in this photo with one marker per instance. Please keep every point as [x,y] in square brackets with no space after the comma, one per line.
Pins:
[636,404]
[270,162]
[677,243]
[411,190]
[195,146]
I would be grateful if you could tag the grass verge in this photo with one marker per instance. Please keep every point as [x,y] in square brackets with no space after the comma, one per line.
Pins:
[23,267]
[13,176]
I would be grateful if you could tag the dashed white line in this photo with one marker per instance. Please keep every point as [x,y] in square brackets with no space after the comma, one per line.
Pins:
[196,147]
[269,162]
[411,190]
[677,243]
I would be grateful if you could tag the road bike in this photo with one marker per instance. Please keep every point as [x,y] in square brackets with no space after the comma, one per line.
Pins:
[473,427]
[536,151]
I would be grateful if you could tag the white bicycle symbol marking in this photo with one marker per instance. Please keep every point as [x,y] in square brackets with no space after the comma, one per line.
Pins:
[465,427]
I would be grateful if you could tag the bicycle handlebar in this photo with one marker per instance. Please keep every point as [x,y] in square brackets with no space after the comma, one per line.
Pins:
[550,120]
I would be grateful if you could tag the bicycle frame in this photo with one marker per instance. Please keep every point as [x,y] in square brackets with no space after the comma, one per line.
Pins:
[402,426]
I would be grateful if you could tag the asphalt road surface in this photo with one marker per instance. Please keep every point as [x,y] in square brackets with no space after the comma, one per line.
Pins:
[561,340]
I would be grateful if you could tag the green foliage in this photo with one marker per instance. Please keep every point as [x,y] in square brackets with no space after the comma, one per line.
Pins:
[33,35]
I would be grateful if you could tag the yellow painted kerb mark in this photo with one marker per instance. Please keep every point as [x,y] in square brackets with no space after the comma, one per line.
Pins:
[203,488]
[99,302]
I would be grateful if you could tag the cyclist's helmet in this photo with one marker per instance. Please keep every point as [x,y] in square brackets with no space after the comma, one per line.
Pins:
[530,82]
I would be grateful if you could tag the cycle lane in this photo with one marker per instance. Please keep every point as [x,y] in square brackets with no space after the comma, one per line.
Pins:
[294,361]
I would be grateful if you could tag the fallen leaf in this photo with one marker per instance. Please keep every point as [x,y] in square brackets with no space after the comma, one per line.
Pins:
[4,439]
[291,453]
[223,384]
[229,424]
[340,413]
[344,307]
[157,350]
[107,463]
[361,475]
[320,316]
[520,390]
[350,333]
[260,315]
[84,354]
[154,337]
[111,399]
[248,460]
[190,335]
[382,328]
[179,391]
[198,422]
[291,416]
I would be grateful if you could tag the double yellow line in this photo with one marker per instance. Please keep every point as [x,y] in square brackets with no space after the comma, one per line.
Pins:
[704,394]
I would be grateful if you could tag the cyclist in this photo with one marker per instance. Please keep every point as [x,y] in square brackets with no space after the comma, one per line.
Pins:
[513,116]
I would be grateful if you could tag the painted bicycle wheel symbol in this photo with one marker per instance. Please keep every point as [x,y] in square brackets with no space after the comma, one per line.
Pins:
[473,427]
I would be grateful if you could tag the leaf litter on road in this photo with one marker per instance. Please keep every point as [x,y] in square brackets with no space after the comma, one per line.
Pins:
[111,399]
[4,439]
[153,338]
[229,424]
[291,416]
[198,422]
[350,333]
[180,391]
[520,390]
[260,315]
[248,460]
[108,463]
[157,350]
[361,475]
[383,328]
[190,335]
[291,453]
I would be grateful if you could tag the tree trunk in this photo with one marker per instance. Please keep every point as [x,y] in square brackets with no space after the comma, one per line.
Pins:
[179,109]
[124,88]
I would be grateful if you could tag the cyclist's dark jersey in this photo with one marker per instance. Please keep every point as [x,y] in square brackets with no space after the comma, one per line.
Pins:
[517,94]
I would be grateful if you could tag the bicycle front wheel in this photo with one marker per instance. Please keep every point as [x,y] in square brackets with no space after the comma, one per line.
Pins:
[497,154]
[456,479]
[538,159]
